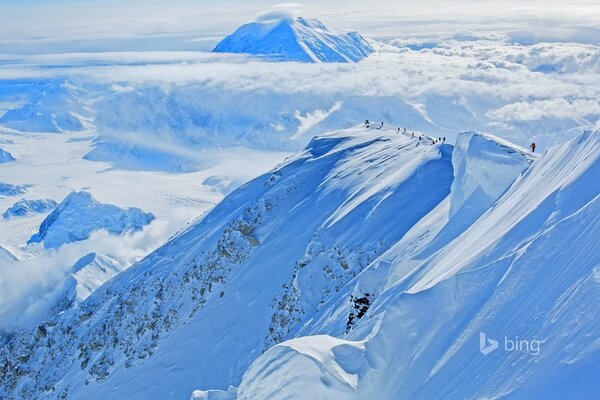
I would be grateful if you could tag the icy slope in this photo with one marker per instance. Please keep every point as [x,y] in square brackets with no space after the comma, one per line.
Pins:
[524,274]
[299,39]
[248,275]
[79,214]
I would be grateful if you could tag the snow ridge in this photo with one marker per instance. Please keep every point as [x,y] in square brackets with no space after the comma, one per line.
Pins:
[527,268]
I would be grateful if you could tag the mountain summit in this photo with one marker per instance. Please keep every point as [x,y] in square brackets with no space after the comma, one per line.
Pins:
[296,39]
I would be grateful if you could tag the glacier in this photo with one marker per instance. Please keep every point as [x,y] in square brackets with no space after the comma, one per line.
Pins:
[261,286]
[79,214]
[295,39]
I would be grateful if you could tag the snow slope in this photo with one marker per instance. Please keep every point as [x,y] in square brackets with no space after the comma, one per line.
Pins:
[526,271]
[247,275]
[79,214]
[295,39]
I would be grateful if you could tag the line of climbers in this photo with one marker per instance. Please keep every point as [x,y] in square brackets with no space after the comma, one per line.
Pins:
[434,141]
[405,132]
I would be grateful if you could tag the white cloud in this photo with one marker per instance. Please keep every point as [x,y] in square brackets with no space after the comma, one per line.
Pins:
[554,108]
[281,11]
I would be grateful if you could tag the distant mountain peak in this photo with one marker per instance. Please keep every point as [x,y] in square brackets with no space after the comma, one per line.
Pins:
[295,39]
[79,214]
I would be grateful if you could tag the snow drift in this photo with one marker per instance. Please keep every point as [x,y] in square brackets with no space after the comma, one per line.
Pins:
[295,39]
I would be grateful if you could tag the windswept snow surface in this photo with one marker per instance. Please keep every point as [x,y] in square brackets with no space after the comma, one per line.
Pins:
[525,274]
[248,275]
[295,39]
[79,214]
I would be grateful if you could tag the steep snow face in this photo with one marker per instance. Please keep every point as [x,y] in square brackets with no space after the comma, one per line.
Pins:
[251,273]
[525,275]
[80,214]
[24,208]
[305,40]
[5,157]
[484,167]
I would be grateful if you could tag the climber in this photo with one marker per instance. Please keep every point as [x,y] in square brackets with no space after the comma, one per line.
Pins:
[380,126]
[412,136]
[367,123]
[398,131]
[359,307]
[444,139]
[532,147]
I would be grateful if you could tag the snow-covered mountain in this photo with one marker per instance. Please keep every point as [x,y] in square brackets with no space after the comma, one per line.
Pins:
[8,189]
[5,156]
[24,207]
[295,39]
[79,214]
[88,274]
[52,106]
[507,309]
[359,248]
